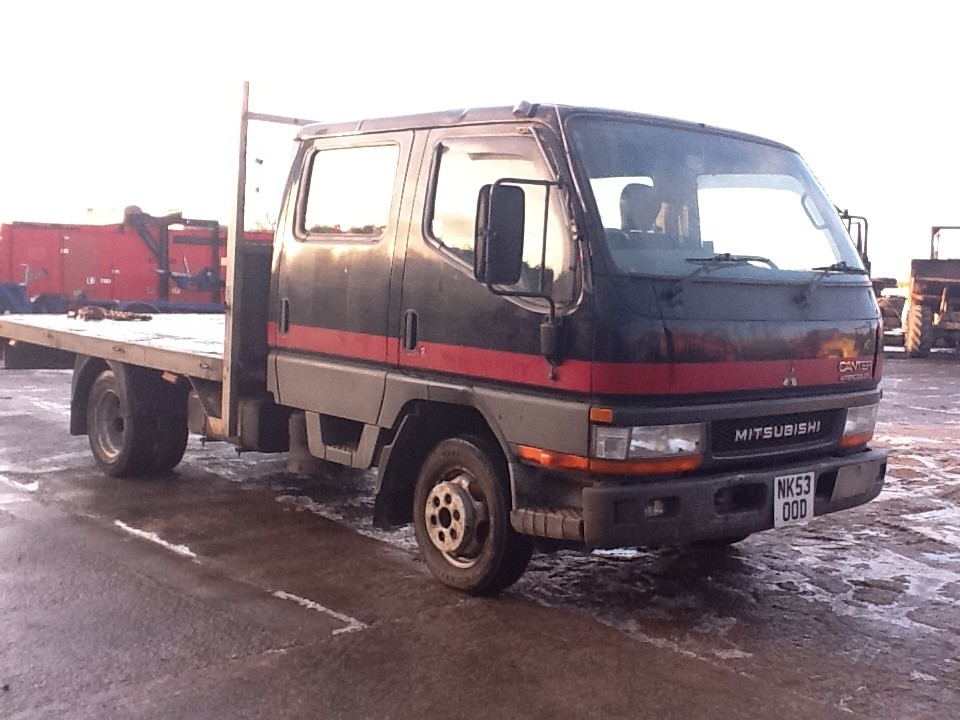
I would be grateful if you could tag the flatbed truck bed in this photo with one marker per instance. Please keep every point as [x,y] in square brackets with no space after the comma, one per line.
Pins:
[186,344]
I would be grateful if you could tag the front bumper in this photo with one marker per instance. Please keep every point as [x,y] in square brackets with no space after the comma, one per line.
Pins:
[724,506]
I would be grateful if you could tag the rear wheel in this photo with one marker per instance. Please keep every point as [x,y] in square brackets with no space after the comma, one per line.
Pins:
[170,441]
[462,518]
[919,331]
[120,440]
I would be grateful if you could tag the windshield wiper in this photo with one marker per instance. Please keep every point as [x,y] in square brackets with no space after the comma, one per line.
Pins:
[726,260]
[802,297]
[709,264]
[840,267]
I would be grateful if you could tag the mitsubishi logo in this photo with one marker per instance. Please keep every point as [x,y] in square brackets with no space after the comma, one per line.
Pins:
[791,379]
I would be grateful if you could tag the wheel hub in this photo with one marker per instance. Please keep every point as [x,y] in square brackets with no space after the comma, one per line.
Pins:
[109,425]
[452,517]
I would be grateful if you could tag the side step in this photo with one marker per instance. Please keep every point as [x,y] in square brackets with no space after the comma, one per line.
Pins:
[558,524]
[340,441]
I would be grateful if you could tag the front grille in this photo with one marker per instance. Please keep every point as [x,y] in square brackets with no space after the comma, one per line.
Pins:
[772,432]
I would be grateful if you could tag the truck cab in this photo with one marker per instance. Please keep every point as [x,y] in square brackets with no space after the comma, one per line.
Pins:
[579,325]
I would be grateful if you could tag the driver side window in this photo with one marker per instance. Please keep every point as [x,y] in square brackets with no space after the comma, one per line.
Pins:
[463,168]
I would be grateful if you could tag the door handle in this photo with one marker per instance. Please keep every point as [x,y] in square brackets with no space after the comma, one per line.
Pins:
[410,330]
[284,315]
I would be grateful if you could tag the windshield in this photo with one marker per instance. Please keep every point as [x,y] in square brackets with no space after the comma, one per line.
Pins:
[671,199]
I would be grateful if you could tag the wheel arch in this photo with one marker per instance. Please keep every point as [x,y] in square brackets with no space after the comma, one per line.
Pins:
[420,426]
[86,370]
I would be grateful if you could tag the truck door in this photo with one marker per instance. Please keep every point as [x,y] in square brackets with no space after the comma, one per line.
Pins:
[451,323]
[329,322]
[82,276]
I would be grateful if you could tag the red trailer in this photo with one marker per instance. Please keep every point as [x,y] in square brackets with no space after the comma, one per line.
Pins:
[148,263]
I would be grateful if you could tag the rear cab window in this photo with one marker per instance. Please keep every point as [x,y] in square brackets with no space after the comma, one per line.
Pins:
[349,193]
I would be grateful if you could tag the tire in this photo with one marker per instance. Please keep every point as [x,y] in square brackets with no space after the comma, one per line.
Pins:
[461,515]
[919,331]
[168,419]
[170,442]
[121,441]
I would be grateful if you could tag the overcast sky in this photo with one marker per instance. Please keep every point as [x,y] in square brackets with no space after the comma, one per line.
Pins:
[108,104]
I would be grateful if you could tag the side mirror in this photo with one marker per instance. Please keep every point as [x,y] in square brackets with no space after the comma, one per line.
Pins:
[498,256]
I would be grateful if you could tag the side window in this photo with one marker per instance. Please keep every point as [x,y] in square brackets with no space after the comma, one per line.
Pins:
[349,193]
[465,166]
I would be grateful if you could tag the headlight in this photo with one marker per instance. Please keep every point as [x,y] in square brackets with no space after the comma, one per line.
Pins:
[647,441]
[858,429]
[644,450]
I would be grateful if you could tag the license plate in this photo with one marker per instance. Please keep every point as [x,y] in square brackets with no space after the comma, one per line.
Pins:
[793,499]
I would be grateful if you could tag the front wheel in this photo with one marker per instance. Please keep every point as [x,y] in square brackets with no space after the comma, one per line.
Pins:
[461,517]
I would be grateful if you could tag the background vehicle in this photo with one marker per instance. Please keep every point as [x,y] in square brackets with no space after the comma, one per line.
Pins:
[468,302]
[891,306]
[933,310]
[145,263]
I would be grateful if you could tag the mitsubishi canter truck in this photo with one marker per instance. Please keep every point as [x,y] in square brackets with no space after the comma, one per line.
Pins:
[576,325]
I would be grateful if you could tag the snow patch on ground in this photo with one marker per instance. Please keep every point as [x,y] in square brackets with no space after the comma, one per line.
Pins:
[351,624]
[181,550]
[732,654]
[225,462]
[56,408]
[25,487]
[863,568]
[49,464]
[907,441]
[941,525]
[621,553]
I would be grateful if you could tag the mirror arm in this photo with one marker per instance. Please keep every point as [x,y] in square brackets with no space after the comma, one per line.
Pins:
[549,328]
[550,339]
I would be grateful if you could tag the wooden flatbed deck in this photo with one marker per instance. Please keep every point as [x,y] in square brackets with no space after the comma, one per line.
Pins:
[189,345]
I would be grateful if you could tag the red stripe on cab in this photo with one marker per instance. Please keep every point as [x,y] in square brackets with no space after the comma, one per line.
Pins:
[574,375]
